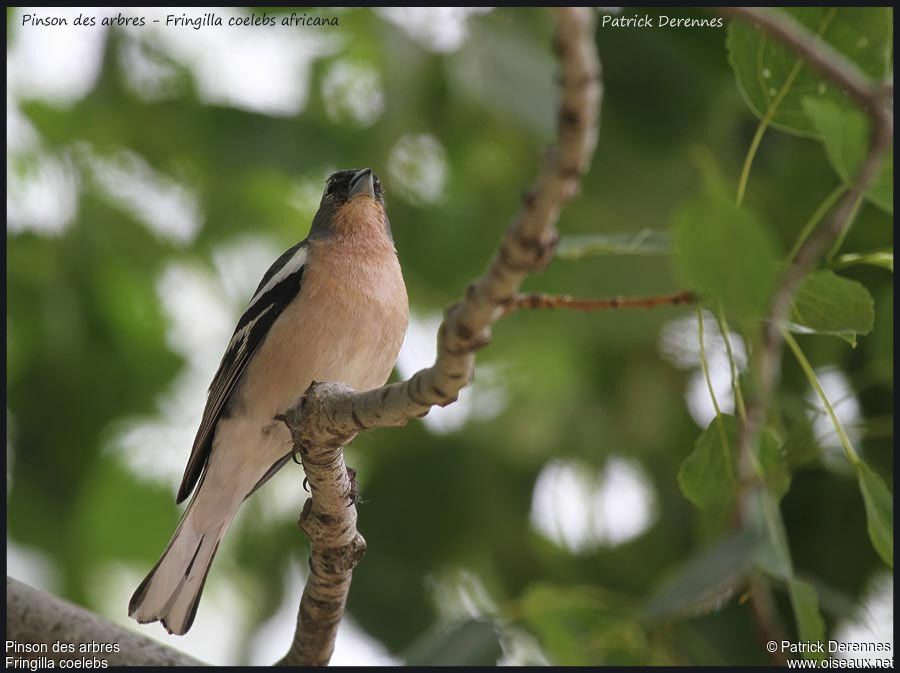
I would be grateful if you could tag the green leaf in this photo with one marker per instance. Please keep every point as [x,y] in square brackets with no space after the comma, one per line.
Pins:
[579,626]
[764,515]
[723,252]
[706,476]
[845,131]
[826,303]
[707,580]
[471,643]
[775,559]
[644,242]
[882,258]
[879,511]
[763,65]
[810,624]
[774,464]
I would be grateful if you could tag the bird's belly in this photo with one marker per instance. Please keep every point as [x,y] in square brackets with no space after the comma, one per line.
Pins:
[354,345]
[357,347]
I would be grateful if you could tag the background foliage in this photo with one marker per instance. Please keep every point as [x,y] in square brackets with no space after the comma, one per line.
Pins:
[577,505]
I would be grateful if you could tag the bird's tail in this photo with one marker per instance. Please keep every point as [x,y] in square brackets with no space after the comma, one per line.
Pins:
[171,591]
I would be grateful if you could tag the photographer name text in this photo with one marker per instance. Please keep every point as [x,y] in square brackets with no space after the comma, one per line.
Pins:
[661,21]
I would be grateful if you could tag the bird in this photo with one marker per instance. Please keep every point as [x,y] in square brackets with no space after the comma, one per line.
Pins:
[334,308]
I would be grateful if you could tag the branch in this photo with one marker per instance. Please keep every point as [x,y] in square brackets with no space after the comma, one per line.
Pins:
[554,301]
[873,96]
[329,519]
[769,355]
[329,415]
[34,617]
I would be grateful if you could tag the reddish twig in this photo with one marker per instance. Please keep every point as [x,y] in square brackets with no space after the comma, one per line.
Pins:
[541,300]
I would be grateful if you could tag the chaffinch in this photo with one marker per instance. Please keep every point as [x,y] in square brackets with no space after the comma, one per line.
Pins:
[331,308]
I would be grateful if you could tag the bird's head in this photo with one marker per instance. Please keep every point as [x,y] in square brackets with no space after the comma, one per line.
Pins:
[352,203]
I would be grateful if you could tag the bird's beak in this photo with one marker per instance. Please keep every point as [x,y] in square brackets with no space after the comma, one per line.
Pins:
[363,183]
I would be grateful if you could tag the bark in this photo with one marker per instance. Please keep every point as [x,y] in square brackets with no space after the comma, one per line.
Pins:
[34,617]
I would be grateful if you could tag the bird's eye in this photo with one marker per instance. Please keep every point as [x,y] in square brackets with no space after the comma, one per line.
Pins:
[329,189]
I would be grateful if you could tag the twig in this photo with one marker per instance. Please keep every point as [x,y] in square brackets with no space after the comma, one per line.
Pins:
[540,300]
[35,618]
[833,65]
[769,359]
[329,415]
[766,617]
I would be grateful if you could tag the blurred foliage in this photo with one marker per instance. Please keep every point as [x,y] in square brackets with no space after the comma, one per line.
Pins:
[845,133]
[88,347]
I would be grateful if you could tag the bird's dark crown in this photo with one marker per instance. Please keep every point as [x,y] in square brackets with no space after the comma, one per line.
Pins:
[338,184]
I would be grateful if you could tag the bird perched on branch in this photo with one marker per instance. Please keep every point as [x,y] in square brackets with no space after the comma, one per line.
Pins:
[331,308]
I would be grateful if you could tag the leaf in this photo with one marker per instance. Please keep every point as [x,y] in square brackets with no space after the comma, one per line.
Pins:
[826,303]
[723,252]
[708,580]
[810,624]
[762,65]
[774,465]
[644,242]
[470,643]
[845,132]
[706,476]
[775,560]
[879,511]
[585,625]
[763,514]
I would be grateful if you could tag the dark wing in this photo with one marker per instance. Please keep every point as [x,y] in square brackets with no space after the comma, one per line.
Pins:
[276,290]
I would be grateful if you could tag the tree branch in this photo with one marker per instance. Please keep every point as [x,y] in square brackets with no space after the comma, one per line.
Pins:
[34,617]
[329,519]
[329,415]
[873,97]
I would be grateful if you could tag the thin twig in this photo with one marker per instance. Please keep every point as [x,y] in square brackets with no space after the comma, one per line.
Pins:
[810,252]
[810,373]
[540,300]
[768,622]
[329,415]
